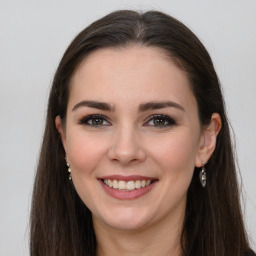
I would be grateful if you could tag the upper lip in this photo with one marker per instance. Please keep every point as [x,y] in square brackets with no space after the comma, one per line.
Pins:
[126,178]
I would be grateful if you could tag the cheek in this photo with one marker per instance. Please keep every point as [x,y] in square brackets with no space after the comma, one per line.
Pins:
[176,155]
[176,159]
[84,152]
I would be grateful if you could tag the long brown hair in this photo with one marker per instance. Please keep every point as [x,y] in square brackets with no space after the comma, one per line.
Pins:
[61,224]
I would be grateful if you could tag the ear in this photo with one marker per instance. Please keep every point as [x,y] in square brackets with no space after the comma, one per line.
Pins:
[61,130]
[208,140]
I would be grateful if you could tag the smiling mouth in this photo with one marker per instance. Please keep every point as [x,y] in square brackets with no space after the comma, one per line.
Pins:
[131,185]
[127,187]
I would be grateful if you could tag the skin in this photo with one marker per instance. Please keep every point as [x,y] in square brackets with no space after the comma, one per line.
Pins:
[130,142]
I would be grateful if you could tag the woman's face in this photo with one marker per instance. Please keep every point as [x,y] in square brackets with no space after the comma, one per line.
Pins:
[132,137]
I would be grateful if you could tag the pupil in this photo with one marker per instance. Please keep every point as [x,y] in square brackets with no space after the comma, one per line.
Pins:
[159,122]
[97,121]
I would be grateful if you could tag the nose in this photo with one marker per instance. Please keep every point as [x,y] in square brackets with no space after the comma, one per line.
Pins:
[126,147]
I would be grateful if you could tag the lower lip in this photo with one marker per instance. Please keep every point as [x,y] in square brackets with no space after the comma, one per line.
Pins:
[127,195]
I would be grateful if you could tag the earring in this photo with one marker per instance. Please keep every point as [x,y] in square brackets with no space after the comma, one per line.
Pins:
[69,169]
[202,175]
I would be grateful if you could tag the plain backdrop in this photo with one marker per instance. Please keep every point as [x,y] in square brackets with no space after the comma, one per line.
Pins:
[33,37]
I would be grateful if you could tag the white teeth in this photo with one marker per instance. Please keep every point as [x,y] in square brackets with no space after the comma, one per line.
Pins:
[121,184]
[110,183]
[129,185]
[115,184]
[137,184]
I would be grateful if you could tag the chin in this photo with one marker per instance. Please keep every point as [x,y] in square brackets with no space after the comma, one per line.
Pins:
[127,219]
[127,225]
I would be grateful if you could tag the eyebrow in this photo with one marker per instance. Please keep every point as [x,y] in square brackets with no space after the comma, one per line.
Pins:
[158,105]
[94,104]
[142,108]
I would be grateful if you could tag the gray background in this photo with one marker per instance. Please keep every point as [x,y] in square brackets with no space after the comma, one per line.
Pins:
[33,37]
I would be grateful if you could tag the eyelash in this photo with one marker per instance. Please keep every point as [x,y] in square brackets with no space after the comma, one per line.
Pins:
[88,120]
[167,121]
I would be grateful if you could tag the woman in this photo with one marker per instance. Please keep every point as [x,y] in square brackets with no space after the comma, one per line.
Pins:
[136,157]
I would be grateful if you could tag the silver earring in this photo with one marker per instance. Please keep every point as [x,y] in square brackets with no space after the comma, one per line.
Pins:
[69,169]
[202,175]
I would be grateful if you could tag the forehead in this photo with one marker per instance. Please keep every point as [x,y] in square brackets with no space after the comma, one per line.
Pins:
[134,72]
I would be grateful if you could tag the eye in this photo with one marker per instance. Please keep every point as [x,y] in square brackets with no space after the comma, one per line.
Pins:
[160,121]
[95,121]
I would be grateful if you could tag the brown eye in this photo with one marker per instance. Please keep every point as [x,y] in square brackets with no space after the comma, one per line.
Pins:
[95,121]
[160,121]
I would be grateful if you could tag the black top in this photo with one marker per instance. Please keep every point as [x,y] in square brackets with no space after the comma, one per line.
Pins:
[250,253]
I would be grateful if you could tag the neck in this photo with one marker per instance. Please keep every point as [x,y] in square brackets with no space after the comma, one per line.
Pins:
[154,240]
